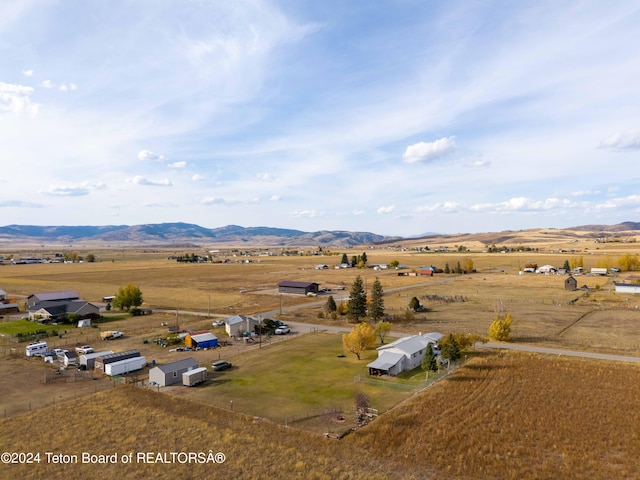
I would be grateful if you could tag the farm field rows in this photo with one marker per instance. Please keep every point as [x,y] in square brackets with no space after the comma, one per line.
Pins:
[503,415]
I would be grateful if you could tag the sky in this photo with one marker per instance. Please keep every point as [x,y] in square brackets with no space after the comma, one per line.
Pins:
[393,117]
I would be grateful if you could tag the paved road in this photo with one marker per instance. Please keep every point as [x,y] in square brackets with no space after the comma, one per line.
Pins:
[558,351]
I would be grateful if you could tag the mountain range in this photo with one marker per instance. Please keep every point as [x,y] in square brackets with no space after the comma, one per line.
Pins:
[180,234]
[188,234]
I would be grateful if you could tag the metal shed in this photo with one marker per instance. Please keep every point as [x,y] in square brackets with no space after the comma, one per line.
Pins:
[201,340]
[171,373]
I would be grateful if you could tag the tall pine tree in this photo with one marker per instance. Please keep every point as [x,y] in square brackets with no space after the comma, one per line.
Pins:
[357,304]
[376,308]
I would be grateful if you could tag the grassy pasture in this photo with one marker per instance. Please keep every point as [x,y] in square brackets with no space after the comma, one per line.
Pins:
[298,376]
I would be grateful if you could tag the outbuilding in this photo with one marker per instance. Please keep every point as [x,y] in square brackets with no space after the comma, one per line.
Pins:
[201,340]
[299,288]
[100,362]
[627,287]
[570,283]
[171,373]
[87,362]
[236,325]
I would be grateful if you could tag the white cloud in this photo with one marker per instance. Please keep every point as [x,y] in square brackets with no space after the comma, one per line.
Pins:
[386,210]
[632,201]
[422,152]
[357,212]
[17,99]
[213,201]
[446,207]
[148,155]
[48,84]
[140,180]
[177,165]
[478,164]
[19,204]
[68,191]
[622,141]
[524,204]
[266,177]
[197,177]
[275,198]
[27,73]
[308,213]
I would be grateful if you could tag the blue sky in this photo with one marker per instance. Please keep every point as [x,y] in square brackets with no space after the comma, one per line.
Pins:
[394,117]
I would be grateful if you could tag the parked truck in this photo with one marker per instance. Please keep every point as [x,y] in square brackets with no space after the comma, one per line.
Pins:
[111,334]
[195,376]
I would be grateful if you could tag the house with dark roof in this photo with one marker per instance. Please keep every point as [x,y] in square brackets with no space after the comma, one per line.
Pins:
[59,310]
[300,288]
[171,373]
[51,296]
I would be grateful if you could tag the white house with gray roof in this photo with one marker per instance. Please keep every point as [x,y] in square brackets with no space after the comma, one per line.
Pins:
[404,354]
[171,373]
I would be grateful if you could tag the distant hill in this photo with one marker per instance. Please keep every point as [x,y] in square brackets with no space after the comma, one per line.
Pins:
[183,234]
[619,227]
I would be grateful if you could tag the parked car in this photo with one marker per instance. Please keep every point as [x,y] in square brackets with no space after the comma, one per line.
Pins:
[218,323]
[220,365]
[282,329]
[83,350]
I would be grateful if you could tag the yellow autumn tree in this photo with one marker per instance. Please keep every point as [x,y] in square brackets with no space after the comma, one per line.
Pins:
[500,328]
[360,338]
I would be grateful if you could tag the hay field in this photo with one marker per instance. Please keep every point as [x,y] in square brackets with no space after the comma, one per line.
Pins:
[502,416]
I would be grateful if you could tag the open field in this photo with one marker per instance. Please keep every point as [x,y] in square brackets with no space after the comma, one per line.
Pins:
[501,416]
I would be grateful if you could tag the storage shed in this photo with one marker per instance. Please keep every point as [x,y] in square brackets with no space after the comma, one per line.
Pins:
[201,340]
[193,377]
[122,367]
[570,283]
[100,362]
[87,362]
[300,288]
[627,287]
[171,373]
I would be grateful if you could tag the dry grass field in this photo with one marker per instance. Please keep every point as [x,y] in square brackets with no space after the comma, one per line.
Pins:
[502,416]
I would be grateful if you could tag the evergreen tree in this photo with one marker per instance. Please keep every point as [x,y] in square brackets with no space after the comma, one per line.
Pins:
[414,304]
[363,258]
[330,306]
[357,304]
[345,259]
[376,309]
[446,268]
[566,266]
[450,349]
[429,361]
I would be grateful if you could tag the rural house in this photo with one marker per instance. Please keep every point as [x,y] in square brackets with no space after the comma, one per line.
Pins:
[51,296]
[404,354]
[171,373]
[59,310]
[299,288]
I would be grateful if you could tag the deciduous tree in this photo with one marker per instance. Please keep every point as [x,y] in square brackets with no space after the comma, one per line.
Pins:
[359,339]
[127,297]
[382,330]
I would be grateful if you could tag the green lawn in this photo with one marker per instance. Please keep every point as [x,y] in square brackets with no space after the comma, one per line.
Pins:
[297,376]
[26,327]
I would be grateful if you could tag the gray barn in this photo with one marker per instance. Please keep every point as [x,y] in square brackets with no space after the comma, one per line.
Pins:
[171,373]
